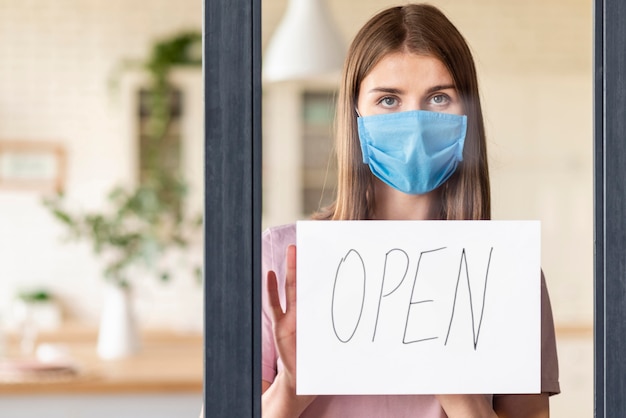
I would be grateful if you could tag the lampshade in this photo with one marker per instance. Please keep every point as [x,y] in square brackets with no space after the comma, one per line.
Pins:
[306,44]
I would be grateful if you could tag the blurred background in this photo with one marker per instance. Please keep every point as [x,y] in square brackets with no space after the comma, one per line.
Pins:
[71,86]
[534,62]
[101,194]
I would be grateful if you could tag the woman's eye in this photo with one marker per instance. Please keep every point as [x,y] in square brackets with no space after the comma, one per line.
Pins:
[440,99]
[388,101]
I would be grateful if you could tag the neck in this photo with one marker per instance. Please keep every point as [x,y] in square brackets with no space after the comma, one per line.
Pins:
[391,204]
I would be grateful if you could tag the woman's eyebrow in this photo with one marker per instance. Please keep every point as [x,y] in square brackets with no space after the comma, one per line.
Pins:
[389,90]
[392,90]
[440,87]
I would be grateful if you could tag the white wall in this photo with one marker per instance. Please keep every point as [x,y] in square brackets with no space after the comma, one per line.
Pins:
[56,59]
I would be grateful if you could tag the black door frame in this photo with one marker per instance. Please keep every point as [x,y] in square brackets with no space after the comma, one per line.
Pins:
[232,221]
[232,79]
[610,208]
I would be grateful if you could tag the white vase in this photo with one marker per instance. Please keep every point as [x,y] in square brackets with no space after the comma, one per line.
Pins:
[118,336]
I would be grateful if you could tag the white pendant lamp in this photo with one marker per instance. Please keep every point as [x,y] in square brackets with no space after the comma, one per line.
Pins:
[305,45]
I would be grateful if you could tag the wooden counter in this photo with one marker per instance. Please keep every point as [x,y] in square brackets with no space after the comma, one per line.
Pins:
[167,363]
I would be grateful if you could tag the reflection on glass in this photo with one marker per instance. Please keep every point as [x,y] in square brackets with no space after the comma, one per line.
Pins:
[538,144]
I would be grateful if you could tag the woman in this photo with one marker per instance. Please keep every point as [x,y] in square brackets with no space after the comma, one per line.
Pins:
[409,79]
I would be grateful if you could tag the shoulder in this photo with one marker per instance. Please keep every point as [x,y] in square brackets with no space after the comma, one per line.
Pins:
[279,236]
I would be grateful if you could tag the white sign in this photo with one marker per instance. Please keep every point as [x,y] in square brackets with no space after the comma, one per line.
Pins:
[418,307]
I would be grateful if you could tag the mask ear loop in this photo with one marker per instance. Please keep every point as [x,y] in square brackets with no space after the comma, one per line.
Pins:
[357,112]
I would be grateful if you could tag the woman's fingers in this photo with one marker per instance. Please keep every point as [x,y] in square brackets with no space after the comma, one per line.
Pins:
[290,284]
[285,321]
[290,287]
[467,406]
[272,290]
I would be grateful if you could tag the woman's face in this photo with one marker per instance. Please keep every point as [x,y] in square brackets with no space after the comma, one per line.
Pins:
[403,81]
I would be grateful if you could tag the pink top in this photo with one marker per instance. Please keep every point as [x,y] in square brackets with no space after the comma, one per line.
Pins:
[275,242]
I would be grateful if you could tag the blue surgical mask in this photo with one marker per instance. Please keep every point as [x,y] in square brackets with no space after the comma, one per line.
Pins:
[415,151]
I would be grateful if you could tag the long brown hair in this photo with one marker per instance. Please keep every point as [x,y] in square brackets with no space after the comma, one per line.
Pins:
[420,29]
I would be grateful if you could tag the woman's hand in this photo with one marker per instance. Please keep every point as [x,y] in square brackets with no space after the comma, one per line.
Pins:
[279,397]
[285,322]
[466,406]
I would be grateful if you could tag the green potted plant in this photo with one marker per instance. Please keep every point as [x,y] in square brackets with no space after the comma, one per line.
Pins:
[142,223]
